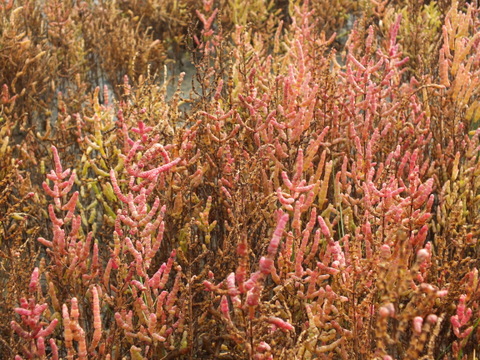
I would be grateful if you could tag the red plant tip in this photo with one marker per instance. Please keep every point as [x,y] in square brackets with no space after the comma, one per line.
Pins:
[280,323]
[23,312]
[385,252]
[54,348]
[432,319]
[277,235]
[470,240]
[266,265]
[387,310]
[417,324]
[138,285]
[56,159]
[242,249]
[209,286]
[34,281]
[253,297]
[263,346]
[442,293]
[427,287]
[384,312]
[74,312]
[422,255]
[225,309]
[41,346]
[49,329]
[324,227]
[232,289]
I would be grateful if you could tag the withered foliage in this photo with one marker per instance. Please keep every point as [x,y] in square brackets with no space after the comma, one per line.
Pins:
[307,188]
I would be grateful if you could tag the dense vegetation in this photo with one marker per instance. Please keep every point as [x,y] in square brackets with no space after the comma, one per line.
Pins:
[308,189]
